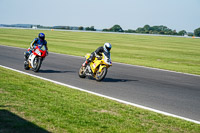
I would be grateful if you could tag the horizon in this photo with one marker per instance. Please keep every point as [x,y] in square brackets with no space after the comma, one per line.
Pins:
[94,27]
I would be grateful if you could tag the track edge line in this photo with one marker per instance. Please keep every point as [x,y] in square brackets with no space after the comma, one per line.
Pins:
[101,95]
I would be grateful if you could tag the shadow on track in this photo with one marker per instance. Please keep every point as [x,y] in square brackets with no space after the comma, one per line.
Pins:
[117,80]
[112,80]
[12,123]
[53,71]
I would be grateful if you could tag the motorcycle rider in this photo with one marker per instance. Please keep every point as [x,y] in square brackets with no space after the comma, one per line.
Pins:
[103,49]
[40,41]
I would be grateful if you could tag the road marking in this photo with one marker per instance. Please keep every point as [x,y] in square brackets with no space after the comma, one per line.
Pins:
[118,63]
[108,97]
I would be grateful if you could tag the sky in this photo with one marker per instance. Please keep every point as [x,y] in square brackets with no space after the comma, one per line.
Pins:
[129,14]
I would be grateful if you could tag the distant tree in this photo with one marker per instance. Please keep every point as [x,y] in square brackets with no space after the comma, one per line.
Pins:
[174,32]
[197,32]
[130,31]
[105,30]
[116,28]
[140,30]
[87,28]
[182,32]
[150,32]
[90,28]
[67,28]
[60,27]
[146,28]
[168,32]
[190,34]
[80,28]
[161,32]
[156,28]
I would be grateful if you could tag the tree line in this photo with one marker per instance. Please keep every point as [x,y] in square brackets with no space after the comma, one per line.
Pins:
[67,27]
[147,29]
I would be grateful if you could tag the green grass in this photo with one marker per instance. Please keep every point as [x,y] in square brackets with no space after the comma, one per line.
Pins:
[29,104]
[171,53]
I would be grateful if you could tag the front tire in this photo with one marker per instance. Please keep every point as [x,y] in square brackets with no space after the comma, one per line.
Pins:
[101,75]
[81,72]
[37,64]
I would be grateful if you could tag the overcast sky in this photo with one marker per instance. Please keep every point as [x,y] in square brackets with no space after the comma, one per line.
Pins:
[129,14]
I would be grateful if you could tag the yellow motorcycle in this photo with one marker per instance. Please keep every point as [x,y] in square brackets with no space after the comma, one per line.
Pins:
[97,68]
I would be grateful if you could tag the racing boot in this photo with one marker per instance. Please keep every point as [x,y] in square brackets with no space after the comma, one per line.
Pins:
[26,56]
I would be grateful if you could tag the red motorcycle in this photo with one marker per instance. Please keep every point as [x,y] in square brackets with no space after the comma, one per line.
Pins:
[35,58]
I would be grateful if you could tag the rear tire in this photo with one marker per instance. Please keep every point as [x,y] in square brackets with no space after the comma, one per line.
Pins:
[101,75]
[81,72]
[37,65]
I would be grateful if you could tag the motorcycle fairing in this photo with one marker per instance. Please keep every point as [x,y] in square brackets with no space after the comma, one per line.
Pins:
[31,59]
[87,56]
[101,67]
[94,65]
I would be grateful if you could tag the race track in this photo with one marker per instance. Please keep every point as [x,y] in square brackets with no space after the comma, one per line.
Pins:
[171,92]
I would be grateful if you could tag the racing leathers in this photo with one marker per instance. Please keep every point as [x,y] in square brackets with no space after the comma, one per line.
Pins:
[35,42]
[98,52]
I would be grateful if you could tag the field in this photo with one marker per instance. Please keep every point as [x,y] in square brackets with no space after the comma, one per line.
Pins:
[170,53]
[47,107]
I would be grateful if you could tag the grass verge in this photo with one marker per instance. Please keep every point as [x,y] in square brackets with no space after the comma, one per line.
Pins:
[170,53]
[28,104]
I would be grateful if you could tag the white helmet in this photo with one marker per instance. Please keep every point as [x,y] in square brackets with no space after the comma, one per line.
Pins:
[107,47]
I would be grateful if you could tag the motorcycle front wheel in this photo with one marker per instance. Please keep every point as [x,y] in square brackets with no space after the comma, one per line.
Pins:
[101,75]
[37,64]
[81,72]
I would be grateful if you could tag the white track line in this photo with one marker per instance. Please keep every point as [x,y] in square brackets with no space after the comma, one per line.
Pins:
[115,99]
[118,63]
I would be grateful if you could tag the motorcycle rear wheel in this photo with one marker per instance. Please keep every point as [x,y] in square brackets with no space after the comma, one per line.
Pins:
[101,75]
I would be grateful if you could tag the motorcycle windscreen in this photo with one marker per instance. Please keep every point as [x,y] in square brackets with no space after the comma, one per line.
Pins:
[107,59]
[42,47]
[107,54]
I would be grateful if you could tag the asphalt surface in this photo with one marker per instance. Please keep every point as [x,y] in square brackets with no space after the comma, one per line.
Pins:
[171,92]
